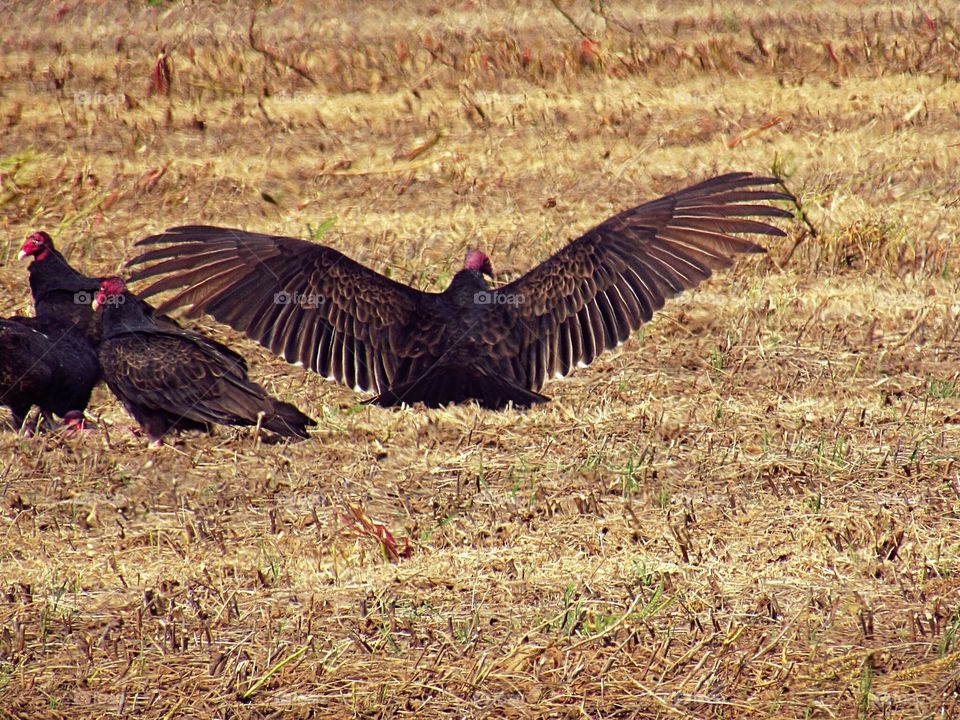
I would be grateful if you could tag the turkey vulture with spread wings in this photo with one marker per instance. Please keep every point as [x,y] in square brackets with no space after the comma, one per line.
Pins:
[169,378]
[316,307]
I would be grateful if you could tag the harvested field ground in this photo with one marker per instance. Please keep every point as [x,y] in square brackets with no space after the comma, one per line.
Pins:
[751,510]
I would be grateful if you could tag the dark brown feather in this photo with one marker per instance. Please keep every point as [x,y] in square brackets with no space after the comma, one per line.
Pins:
[608,282]
[310,303]
[45,362]
[170,378]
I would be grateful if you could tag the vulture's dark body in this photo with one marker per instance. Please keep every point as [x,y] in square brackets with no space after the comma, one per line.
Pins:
[47,364]
[61,292]
[457,369]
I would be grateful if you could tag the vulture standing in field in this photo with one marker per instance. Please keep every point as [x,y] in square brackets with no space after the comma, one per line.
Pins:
[59,291]
[168,378]
[316,307]
[44,364]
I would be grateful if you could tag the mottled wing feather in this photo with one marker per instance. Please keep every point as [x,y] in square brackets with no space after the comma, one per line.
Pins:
[307,302]
[590,296]
[183,377]
[165,322]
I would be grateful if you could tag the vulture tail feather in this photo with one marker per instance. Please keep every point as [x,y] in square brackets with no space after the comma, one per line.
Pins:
[443,386]
[287,421]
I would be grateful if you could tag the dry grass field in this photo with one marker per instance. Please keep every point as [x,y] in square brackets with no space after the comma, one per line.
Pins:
[751,510]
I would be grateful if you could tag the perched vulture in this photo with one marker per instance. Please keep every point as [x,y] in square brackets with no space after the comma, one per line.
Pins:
[59,291]
[45,365]
[168,378]
[316,307]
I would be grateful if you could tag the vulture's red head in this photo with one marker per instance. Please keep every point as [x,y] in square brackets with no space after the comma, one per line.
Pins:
[38,246]
[476,260]
[110,288]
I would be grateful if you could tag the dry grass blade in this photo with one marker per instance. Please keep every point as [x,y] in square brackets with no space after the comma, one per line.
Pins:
[295,655]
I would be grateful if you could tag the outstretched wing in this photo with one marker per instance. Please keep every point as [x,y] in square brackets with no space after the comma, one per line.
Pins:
[309,303]
[590,296]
